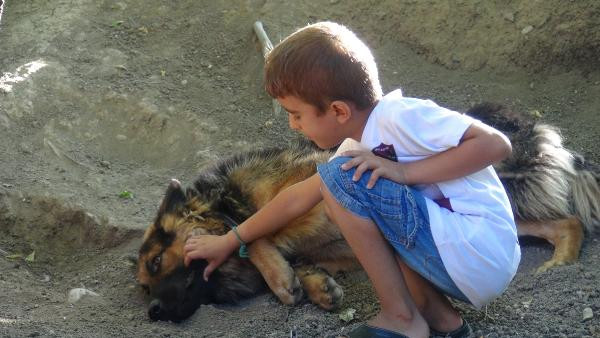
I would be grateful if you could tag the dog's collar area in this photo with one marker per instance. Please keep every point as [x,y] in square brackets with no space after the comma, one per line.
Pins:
[190,214]
[230,222]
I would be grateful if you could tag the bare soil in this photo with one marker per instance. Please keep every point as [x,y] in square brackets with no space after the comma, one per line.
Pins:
[102,97]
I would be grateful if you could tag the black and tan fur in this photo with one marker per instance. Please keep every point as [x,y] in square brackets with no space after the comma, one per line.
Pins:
[553,193]
[300,258]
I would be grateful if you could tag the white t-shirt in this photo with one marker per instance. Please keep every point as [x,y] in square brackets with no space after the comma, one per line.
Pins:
[477,240]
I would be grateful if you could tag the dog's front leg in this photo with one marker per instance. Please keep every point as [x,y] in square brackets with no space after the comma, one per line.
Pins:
[276,271]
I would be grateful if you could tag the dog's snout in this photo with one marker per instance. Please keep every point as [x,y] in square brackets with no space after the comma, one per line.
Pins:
[155,310]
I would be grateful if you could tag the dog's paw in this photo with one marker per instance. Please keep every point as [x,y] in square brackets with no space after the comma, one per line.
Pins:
[323,291]
[288,290]
[549,265]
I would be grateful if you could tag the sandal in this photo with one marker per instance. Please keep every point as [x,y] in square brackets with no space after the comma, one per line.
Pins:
[464,331]
[368,331]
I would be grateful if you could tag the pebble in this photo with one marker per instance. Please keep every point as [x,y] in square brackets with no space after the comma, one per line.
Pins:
[588,313]
[509,16]
[527,30]
[76,294]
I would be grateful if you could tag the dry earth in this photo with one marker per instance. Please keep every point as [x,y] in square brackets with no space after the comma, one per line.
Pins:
[102,97]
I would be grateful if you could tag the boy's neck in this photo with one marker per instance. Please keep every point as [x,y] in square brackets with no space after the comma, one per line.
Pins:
[360,118]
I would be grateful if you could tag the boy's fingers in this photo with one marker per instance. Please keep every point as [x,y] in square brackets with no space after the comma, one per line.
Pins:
[209,269]
[373,179]
[349,164]
[351,153]
[360,170]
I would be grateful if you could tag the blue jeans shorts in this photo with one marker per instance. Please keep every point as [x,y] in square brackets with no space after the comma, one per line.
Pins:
[400,212]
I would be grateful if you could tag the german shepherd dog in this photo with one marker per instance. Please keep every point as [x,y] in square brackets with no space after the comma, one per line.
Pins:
[300,258]
[553,191]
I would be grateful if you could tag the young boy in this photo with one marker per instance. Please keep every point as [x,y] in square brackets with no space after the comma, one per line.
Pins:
[421,208]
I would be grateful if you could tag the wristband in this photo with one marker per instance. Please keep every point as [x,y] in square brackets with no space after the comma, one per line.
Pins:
[243,251]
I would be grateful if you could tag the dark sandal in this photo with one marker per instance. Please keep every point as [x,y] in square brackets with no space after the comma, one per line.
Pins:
[464,331]
[368,331]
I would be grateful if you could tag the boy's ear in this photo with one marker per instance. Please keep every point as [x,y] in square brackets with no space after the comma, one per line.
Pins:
[343,111]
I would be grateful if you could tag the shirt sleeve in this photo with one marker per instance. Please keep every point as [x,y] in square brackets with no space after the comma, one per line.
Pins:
[426,128]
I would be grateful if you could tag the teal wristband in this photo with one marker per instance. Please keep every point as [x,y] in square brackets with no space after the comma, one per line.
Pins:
[243,251]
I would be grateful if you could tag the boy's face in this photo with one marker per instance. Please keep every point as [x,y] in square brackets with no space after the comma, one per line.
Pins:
[323,129]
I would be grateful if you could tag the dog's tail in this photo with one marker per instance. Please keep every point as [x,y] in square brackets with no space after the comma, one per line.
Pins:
[586,193]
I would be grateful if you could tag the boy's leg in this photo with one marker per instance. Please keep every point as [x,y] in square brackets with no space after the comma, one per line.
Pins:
[398,311]
[432,304]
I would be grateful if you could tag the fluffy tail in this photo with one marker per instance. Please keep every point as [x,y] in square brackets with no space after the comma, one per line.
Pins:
[586,193]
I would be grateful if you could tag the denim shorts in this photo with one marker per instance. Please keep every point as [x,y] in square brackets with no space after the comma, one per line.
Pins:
[400,212]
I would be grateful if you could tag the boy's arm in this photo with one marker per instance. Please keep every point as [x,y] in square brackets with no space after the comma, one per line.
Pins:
[480,146]
[288,205]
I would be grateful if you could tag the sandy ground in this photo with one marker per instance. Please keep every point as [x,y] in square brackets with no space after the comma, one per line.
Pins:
[102,97]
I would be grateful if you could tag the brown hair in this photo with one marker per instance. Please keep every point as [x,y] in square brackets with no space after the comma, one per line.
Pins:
[321,63]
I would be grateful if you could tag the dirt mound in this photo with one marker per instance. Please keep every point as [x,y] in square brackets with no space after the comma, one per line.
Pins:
[98,98]
[535,35]
[53,231]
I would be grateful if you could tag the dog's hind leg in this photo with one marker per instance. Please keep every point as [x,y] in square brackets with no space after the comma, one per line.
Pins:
[320,287]
[276,271]
[565,234]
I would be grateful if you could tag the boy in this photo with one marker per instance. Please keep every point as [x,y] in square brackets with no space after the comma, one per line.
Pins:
[421,208]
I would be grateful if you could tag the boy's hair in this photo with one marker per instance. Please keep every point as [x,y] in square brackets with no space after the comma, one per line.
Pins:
[321,63]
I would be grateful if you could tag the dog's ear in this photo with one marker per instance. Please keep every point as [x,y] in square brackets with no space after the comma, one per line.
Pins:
[174,199]
[191,193]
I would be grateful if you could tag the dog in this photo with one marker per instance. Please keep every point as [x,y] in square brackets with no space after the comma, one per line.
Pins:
[553,191]
[300,258]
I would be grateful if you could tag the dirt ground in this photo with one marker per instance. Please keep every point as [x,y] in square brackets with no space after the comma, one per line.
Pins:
[103,97]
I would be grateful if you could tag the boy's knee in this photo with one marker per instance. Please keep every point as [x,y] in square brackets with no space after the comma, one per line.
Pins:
[332,171]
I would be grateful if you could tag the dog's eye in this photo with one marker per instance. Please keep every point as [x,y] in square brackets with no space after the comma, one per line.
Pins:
[155,264]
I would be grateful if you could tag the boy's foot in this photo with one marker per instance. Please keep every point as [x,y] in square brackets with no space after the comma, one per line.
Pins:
[464,331]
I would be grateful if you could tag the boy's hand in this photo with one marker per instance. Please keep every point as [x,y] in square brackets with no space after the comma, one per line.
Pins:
[365,160]
[215,249]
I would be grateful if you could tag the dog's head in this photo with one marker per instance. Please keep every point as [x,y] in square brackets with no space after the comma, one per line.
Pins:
[176,290]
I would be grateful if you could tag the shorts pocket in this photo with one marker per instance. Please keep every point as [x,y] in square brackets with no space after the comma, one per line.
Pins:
[395,211]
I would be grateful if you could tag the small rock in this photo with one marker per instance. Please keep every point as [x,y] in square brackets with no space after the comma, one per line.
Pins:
[105,164]
[588,313]
[121,137]
[76,294]
[527,29]
[509,16]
